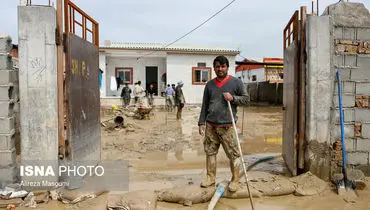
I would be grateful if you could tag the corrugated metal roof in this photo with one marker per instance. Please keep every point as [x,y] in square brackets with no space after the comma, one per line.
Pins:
[161,47]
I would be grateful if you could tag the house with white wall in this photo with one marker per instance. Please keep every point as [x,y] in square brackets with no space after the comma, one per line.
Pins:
[159,65]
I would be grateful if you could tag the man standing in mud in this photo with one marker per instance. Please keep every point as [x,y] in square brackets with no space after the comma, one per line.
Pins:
[179,99]
[216,123]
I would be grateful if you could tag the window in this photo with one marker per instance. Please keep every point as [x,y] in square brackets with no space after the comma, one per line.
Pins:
[201,75]
[125,74]
[202,64]
[254,77]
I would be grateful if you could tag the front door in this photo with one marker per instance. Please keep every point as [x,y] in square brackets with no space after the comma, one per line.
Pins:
[151,73]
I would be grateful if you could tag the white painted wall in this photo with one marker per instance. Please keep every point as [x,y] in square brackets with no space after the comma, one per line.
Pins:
[138,69]
[260,73]
[179,67]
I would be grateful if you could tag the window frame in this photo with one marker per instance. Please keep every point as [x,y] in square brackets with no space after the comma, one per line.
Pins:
[117,69]
[202,68]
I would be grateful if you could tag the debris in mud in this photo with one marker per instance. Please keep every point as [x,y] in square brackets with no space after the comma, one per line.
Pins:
[186,194]
[10,202]
[41,196]
[29,201]
[133,200]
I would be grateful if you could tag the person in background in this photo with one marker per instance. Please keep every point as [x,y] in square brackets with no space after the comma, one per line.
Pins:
[151,92]
[126,95]
[169,98]
[138,92]
[174,90]
[179,99]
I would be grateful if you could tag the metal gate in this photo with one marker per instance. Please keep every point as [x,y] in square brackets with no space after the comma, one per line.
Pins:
[294,92]
[82,95]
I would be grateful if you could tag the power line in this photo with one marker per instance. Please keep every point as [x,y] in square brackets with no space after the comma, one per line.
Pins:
[200,25]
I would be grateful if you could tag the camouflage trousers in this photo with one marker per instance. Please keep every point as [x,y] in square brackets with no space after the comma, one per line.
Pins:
[214,136]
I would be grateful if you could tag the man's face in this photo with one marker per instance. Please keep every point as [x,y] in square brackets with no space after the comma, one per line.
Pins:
[220,69]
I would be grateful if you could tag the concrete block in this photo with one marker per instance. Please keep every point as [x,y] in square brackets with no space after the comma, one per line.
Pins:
[338,32]
[9,175]
[362,145]
[350,144]
[358,158]
[7,142]
[360,74]
[347,100]
[362,88]
[6,92]
[345,74]
[365,131]
[7,158]
[363,34]
[362,115]
[6,109]
[6,62]
[5,44]
[347,87]
[7,125]
[338,60]
[349,115]
[349,33]
[348,131]
[8,77]
[350,60]
[363,61]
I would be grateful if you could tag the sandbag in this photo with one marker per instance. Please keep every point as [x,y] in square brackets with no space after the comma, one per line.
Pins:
[75,196]
[187,194]
[308,184]
[274,186]
[242,192]
[136,200]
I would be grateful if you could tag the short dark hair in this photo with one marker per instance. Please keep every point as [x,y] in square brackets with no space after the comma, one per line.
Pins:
[139,82]
[222,59]
[168,85]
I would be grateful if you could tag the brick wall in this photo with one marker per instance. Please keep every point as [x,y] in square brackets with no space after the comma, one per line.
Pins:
[352,59]
[8,105]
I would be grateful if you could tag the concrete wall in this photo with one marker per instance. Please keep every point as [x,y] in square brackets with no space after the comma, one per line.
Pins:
[246,75]
[38,84]
[338,41]
[265,92]
[179,67]
[320,90]
[8,104]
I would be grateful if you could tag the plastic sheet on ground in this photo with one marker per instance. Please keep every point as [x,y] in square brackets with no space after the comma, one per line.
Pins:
[188,194]
[136,200]
[9,193]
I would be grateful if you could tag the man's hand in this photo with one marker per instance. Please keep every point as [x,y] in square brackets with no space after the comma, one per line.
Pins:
[202,128]
[228,96]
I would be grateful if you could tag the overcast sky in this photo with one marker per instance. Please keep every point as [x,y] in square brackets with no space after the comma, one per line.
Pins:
[254,27]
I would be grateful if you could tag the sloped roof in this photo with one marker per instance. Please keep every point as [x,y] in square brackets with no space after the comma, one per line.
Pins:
[161,47]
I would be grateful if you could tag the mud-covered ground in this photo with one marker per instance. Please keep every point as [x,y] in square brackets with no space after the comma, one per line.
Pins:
[164,152]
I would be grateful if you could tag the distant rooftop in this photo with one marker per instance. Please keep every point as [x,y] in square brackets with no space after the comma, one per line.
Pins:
[172,48]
